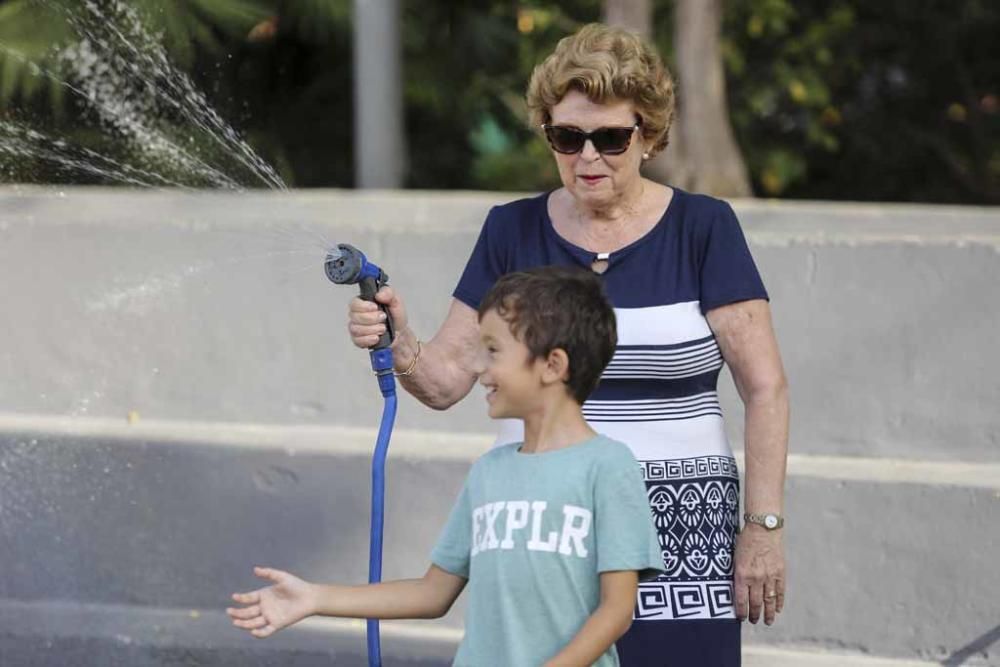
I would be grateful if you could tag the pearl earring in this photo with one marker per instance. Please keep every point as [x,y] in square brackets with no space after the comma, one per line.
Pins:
[645,156]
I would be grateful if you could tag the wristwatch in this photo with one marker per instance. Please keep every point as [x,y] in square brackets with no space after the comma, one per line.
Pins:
[769,521]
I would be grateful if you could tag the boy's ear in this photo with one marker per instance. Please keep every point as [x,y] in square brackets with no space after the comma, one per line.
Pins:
[556,367]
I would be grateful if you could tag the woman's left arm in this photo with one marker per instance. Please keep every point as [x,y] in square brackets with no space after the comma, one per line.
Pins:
[746,339]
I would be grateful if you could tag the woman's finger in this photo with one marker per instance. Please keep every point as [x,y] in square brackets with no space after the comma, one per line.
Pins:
[770,605]
[742,602]
[386,295]
[365,339]
[359,305]
[779,587]
[366,317]
[357,330]
[756,602]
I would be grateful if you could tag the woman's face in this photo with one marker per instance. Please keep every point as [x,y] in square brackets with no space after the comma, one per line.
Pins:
[597,180]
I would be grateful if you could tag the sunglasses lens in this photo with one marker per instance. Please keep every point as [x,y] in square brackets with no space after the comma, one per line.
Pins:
[611,140]
[607,140]
[565,139]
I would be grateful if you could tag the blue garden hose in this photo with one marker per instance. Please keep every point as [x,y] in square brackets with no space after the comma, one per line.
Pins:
[382,365]
[346,265]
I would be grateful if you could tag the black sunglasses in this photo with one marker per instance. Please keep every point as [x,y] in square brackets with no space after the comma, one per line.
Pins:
[606,140]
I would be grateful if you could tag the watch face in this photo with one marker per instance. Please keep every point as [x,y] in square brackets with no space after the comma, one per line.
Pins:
[770,521]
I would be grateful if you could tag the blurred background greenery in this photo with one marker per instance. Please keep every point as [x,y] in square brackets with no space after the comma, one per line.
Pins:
[892,100]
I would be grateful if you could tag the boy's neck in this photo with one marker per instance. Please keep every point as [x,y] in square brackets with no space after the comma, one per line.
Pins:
[557,425]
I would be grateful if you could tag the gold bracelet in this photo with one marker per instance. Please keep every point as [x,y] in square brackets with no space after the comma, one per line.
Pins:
[413,364]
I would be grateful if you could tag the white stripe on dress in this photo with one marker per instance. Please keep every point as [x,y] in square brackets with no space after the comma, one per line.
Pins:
[661,325]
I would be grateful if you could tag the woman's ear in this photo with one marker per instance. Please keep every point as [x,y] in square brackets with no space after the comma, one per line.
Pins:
[556,367]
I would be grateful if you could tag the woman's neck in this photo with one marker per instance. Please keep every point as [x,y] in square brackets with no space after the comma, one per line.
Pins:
[615,213]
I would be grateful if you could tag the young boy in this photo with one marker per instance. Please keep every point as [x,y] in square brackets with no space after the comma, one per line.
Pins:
[552,534]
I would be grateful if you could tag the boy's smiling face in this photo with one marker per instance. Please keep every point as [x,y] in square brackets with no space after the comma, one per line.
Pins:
[513,382]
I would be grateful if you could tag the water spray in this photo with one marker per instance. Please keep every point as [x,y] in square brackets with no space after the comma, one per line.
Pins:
[346,265]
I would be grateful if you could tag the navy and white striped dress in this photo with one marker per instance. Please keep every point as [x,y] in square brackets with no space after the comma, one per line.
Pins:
[658,395]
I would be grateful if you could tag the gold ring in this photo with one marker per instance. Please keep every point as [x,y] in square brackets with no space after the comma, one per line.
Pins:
[771,595]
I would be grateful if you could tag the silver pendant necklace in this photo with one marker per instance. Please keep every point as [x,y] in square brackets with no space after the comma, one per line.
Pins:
[600,263]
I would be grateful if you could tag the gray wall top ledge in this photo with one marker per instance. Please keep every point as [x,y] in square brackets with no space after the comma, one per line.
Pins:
[767,222]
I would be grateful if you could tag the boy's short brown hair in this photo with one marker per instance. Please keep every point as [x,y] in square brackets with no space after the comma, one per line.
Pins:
[559,307]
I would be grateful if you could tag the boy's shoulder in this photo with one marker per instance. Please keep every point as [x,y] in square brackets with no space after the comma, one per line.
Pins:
[611,452]
[495,455]
[600,451]
[600,448]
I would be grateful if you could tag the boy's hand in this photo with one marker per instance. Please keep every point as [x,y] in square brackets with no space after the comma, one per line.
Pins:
[270,609]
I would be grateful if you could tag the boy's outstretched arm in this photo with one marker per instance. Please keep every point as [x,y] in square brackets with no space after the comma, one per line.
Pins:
[289,599]
[609,621]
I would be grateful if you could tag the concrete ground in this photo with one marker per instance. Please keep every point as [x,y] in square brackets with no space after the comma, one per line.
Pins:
[52,634]
[123,541]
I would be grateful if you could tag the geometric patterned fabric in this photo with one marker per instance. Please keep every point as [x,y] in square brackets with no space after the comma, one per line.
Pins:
[695,506]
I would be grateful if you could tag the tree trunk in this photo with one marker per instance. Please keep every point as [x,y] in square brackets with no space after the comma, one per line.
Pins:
[706,137]
[636,15]
[702,155]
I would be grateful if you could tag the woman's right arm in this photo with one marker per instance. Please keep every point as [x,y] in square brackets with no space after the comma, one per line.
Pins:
[445,371]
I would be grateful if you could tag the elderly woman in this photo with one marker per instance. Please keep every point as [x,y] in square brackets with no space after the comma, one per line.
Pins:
[688,298]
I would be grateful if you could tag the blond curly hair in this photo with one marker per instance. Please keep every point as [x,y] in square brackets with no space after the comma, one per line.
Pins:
[607,63]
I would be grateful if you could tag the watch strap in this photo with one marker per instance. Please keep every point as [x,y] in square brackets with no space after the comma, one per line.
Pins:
[762,520]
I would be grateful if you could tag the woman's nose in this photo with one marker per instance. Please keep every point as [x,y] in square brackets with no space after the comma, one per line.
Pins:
[588,152]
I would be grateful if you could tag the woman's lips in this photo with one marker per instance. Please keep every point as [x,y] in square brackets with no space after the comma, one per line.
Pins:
[591,179]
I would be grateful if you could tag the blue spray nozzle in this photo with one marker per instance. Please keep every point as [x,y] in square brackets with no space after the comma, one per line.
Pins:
[346,265]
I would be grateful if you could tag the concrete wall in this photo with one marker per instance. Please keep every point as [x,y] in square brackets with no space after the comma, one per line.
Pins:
[208,314]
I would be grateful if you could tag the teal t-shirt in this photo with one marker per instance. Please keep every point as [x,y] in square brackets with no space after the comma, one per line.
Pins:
[532,533]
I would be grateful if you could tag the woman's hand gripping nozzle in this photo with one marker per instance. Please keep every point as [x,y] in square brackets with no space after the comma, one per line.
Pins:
[346,265]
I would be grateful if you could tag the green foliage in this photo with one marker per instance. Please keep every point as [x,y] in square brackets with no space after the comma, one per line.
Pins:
[190,26]
[835,99]
[783,69]
[27,32]
[33,32]
[253,80]
[467,67]
[852,99]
